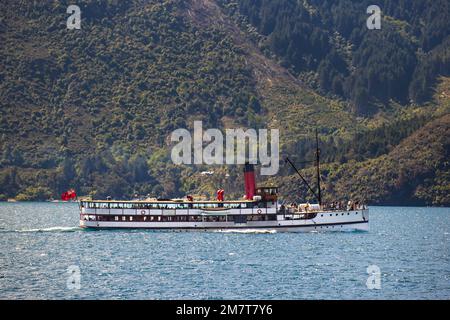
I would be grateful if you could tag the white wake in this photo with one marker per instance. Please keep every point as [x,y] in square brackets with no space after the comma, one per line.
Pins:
[247,231]
[51,229]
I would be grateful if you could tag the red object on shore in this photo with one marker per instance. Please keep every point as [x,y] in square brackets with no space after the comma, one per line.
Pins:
[68,195]
[249,179]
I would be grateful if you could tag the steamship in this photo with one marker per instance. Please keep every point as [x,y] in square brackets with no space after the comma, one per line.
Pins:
[260,209]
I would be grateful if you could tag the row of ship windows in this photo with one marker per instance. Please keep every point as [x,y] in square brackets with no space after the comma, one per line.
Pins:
[99,205]
[337,214]
[321,227]
[223,218]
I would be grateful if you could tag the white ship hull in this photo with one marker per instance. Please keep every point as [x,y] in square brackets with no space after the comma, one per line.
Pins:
[323,221]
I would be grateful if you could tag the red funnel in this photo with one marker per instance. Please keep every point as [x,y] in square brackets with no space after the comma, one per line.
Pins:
[250,184]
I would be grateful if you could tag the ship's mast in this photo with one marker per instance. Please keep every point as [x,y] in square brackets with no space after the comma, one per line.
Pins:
[319,195]
[303,179]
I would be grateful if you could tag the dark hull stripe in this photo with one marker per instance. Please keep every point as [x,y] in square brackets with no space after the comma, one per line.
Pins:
[235,227]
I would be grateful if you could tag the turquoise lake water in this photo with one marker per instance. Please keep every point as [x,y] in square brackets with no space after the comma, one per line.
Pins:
[40,241]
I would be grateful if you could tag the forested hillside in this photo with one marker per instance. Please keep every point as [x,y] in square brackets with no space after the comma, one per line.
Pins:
[327,44]
[93,109]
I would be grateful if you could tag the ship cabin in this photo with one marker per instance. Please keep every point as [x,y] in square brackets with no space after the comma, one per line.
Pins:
[267,194]
[263,206]
[265,197]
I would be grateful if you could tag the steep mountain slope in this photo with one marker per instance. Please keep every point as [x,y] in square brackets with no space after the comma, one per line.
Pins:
[98,99]
[414,172]
[94,108]
[328,44]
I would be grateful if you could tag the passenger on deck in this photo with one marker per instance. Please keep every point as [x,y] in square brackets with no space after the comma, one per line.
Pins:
[349,205]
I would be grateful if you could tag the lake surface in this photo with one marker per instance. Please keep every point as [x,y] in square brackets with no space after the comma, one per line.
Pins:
[40,241]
